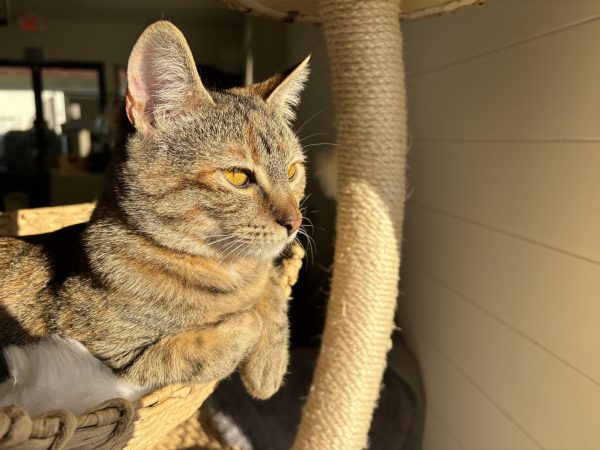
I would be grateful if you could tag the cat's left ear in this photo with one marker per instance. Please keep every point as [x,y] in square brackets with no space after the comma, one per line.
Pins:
[162,78]
[282,91]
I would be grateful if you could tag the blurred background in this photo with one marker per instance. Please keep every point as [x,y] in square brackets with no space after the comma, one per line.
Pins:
[62,73]
[501,268]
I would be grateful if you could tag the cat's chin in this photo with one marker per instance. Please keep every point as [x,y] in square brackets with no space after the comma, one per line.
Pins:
[267,253]
[271,250]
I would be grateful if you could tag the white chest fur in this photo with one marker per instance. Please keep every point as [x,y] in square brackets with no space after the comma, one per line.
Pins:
[58,373]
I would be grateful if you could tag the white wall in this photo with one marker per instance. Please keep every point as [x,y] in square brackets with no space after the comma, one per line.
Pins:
[502,255]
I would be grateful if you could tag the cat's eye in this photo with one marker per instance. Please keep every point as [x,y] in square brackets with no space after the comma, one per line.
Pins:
[237,177]
[291,171]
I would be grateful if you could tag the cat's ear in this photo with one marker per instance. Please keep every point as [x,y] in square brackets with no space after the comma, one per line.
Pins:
[282,91]
[161,77]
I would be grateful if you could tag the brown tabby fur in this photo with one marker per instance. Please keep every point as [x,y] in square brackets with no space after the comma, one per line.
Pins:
[177,277]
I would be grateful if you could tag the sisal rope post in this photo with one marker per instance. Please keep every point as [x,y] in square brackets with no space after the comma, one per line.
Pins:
[365,48]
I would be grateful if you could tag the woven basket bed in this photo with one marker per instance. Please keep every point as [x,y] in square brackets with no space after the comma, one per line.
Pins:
[166,419]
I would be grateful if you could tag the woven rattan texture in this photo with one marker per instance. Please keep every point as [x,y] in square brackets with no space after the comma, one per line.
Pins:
[165,419]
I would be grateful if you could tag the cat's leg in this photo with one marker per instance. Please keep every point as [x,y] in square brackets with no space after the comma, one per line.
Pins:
[264,368]
[201,355]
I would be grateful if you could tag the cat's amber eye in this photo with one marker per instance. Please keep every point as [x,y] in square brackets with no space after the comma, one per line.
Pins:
[291,171]
[237,177]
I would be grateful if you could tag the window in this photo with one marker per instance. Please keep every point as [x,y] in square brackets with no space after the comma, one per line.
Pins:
[51,121]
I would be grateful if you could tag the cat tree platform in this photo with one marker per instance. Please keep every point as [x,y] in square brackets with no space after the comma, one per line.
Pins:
[308,10]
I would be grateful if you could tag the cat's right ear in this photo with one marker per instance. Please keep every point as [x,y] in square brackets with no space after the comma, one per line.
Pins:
[162,79]
[282,91]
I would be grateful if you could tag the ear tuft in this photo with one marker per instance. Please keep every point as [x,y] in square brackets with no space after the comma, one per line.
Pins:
[282,91]
[161,76]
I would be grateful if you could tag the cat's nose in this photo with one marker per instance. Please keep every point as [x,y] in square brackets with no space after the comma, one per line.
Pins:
[290,223]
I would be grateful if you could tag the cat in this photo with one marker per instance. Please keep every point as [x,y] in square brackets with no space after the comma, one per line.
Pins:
[177,277]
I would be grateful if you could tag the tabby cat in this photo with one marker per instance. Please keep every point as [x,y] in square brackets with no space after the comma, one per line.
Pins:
[177,277]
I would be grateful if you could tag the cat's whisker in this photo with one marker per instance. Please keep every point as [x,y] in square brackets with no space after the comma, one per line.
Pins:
[320,143]
[224,255]
[312,211]
[208,244]
[234,248]
[307,221]
[303,230]
[310,136]
[308,225]
[308,120]
[309,252]
[299,242]
[309,237]
[304,205]
[238,251]
[304,200]
[230,245]
[311,224]
[226,249]
[311,246]
[220,240]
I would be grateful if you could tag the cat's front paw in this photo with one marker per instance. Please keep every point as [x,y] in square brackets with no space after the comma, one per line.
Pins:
[263,372]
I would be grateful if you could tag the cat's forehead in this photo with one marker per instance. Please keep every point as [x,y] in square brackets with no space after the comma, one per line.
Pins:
[249,120]
[236,130]
[247,110]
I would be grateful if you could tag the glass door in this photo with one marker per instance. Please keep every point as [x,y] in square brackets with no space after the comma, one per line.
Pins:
[52,128]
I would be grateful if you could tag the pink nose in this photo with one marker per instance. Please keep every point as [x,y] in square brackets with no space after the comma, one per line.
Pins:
[291,224]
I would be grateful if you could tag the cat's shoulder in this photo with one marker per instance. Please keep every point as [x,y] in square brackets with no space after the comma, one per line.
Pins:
[40,251]
[30,267]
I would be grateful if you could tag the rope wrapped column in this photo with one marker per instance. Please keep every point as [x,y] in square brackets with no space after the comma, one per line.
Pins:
[365,48]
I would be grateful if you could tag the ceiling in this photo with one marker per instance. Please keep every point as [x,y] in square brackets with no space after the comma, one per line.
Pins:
[180,11]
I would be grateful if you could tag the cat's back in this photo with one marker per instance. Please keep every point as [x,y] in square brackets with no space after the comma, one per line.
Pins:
[30,268]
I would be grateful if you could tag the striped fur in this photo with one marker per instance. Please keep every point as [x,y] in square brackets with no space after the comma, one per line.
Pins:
[174,279]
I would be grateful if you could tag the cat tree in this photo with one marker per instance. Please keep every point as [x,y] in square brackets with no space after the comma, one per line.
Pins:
[365,48]
[364,43]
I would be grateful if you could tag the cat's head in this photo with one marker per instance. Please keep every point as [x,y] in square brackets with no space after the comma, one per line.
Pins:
[218,174]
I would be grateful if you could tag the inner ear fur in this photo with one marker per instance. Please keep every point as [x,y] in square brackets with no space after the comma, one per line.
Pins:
[161,77]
